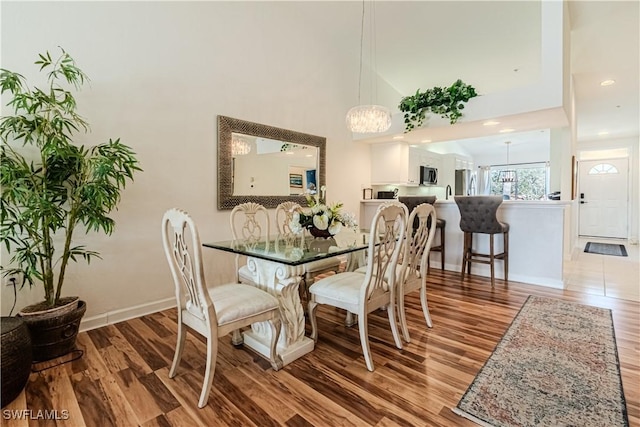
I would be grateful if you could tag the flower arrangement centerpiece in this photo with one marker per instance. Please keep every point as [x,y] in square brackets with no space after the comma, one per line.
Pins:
[322,220]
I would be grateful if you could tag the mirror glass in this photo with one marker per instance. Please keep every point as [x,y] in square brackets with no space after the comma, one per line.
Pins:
[266,165]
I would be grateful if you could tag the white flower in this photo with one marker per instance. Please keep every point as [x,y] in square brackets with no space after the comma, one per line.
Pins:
[321,222]
[335,227]
[349,220]
[294,224]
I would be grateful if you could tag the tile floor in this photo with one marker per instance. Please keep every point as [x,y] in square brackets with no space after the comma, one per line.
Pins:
[605,275]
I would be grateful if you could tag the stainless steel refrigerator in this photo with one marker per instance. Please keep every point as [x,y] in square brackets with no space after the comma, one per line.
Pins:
[466,182]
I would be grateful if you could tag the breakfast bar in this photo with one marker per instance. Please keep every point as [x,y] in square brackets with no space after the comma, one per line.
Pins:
[537,239]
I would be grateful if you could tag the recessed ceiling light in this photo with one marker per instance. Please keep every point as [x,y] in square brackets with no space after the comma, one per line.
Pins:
[490,123]
[398,137]
[607,82]
[505,130]
[603,133]
[425,140]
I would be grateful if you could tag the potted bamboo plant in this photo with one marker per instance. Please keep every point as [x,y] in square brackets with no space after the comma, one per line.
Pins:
[50,188]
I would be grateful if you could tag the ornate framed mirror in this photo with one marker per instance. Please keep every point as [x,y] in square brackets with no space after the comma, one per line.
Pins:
[266,165]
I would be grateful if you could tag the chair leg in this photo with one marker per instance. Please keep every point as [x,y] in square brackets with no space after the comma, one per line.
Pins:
[391,314]
[442,248]
[312,317]
[236,338]
[364,339]
[425,306]
[210,369]
[182,335]
[492,260]
[350,319]
[403,316]
[506,256]
[276,361]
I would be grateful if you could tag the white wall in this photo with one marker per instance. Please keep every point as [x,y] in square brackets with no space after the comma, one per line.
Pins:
[160,74]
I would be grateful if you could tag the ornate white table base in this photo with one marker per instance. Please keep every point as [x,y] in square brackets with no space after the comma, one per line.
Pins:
[282,281]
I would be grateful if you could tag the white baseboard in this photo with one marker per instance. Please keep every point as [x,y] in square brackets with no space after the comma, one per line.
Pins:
[548,282]
[121,315]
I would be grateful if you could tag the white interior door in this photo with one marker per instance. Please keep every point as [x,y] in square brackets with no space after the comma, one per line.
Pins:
[603,193]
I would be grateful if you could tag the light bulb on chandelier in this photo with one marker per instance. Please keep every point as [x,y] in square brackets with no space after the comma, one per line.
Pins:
[507,175]
[239,147]
[368,118]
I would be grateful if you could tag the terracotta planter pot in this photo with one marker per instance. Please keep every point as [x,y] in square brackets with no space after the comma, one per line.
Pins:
[53,332]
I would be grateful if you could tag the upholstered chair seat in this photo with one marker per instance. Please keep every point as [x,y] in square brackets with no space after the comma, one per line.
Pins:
[214,311]
[361,294]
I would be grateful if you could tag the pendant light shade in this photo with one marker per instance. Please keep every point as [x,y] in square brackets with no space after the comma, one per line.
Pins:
[368,118]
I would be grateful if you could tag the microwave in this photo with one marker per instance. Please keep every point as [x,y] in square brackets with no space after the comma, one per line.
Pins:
[428,175]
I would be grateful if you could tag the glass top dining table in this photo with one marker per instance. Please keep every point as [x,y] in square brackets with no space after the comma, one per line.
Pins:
[297,250]
[277,265]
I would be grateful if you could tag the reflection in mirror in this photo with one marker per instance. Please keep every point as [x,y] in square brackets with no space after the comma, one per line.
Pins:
[266,165]
[270,167]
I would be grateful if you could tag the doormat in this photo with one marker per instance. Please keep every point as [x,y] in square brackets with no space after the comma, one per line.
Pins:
[605,249]
[556,365]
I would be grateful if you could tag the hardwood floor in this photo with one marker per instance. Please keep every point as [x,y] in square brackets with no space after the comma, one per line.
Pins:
[122,379]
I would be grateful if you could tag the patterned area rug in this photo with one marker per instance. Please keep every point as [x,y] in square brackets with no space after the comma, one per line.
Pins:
[557,365]
[605,249]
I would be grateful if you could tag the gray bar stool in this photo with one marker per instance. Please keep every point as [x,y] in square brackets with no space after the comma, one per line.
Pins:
[413,201]
[478,215]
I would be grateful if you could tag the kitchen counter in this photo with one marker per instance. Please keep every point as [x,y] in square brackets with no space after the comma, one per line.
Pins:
[536,239]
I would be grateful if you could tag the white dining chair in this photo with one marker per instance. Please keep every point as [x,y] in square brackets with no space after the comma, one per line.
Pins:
[412,274]
[250,225]
[212,312]
[284,215]
[361,294]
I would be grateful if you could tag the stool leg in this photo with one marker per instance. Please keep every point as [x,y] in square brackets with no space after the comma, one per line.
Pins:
[470,252]
[465,243]
[492,261]
[442,248]
[506,256]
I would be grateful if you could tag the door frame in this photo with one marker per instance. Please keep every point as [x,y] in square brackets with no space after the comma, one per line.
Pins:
[580,190]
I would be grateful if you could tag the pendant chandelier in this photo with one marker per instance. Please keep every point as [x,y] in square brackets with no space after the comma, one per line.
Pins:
[368,118]
[508,175]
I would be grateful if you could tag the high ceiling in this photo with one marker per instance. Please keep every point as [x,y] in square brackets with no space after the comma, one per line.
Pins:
[496,47]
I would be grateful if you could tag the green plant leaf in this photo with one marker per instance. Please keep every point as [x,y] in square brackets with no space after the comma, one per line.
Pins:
[446,102]
[46,197]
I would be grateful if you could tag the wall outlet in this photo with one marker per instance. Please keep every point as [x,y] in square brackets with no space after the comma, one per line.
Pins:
[11,278]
